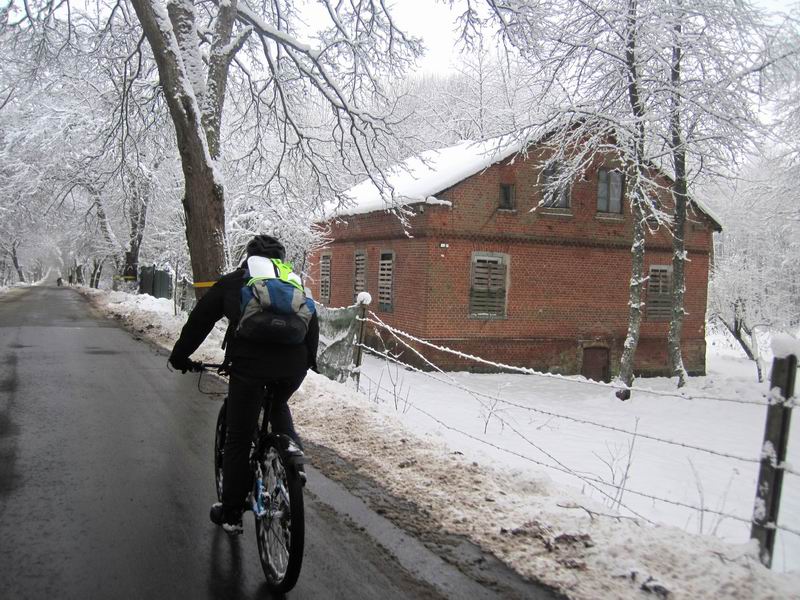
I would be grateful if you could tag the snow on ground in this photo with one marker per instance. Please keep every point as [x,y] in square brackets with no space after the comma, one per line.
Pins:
[547,524]
[521,436]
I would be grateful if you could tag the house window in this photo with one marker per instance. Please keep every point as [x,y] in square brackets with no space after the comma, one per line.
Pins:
[487,294]
[609,191]
[507,200]
[555,196]
[325,278]
[360,274]
[659,293]
[385,281]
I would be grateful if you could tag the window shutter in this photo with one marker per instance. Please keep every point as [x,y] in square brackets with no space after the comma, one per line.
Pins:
[488,293]
[325,278]
[659,293]
[360,275]
[385,276]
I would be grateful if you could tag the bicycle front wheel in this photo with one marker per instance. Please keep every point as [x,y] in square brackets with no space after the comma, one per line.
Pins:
[281,530]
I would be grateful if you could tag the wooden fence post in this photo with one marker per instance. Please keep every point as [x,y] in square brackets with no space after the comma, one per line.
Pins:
[773,457]
[361,333]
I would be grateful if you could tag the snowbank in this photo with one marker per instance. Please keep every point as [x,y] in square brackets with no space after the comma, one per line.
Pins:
[154,319]
[542,527]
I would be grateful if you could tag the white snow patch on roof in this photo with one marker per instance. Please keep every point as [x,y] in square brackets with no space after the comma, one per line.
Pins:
[420,178]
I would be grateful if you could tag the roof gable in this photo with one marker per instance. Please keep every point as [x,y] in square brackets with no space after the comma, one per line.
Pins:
[420,178]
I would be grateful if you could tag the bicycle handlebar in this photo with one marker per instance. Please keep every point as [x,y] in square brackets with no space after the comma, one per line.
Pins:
[201,366]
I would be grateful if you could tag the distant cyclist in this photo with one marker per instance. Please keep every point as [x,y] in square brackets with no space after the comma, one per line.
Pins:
[254,366]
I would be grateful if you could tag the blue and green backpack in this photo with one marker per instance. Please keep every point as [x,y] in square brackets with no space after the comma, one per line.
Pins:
[274,309]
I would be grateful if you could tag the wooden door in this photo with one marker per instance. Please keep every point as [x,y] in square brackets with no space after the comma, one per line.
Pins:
[596,364]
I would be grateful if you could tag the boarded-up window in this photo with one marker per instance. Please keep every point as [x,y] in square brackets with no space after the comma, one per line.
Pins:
[360,274]
[487,295]
[385,280]
[325,278]
[659,293]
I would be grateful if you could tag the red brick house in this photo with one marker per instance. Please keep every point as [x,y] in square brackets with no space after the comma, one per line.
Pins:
[483,274]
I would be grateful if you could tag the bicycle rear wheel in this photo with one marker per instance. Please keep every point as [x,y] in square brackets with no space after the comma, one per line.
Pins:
[281,530]
[219,448]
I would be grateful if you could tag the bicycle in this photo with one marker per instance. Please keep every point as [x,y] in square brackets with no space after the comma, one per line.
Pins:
[276,497]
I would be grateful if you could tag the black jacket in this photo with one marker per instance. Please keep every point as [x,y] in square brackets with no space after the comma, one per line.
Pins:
[269,361]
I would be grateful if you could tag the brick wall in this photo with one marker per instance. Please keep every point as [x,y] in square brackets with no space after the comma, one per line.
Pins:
[568,274]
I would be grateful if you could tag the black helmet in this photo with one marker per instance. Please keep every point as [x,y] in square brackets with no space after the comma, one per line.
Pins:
[266,246]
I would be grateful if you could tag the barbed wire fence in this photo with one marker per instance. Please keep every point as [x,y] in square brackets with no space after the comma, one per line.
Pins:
[392,345]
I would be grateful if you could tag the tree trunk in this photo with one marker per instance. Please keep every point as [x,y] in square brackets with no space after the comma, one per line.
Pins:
[15,261]
[97,271]
[197,119]
[637,202]
[679,195]
[634,296]
[745,336]
[139,183]
[204,206]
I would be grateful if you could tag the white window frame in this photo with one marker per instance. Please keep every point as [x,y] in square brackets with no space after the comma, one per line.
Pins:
[607,188]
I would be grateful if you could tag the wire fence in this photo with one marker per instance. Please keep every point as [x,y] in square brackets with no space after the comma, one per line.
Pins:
[613,491]
[377,322]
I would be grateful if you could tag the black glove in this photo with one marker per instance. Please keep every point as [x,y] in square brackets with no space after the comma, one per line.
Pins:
[183,364]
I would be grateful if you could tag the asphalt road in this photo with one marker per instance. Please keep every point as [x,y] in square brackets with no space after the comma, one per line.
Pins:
[106,479]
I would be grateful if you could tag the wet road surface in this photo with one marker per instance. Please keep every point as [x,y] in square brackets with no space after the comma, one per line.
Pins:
[106,478]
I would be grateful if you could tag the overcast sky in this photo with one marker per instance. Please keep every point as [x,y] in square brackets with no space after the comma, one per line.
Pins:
[435,23]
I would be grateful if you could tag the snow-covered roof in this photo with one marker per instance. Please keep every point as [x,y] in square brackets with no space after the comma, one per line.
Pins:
[703,208]
[420,178]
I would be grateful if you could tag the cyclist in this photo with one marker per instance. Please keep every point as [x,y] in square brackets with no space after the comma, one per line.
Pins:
[253,368]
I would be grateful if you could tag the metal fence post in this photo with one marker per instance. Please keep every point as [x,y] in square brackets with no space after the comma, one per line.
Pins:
[773,457]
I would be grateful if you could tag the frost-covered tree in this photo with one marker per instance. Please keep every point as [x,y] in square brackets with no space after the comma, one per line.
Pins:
[756,280]
[666,87]
[755,285]
[196,46]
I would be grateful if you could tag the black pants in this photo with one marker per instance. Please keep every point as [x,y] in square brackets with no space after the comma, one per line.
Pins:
[245,398]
